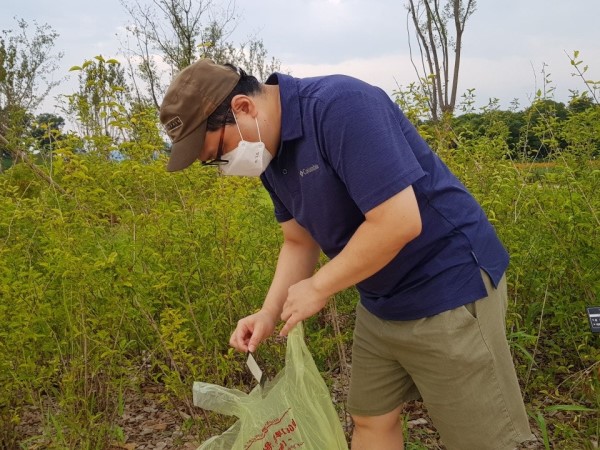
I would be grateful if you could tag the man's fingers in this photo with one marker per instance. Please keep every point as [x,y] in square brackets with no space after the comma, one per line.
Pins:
[239,338]
[255,339]
[253,345]
[291,323]
[238,344]
[286,312]
[251,331]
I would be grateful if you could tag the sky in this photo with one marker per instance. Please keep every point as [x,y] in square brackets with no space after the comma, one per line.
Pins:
[506,42]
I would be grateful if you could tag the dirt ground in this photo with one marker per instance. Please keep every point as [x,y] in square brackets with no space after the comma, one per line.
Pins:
[148,423]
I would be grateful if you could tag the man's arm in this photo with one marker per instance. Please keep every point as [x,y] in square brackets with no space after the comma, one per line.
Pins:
[297,261]
[386,230]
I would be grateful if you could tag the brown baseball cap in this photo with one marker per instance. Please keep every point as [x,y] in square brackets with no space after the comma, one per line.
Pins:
[193,95]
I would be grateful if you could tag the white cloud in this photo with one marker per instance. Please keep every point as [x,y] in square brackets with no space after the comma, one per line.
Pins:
[385,72]
[366,39]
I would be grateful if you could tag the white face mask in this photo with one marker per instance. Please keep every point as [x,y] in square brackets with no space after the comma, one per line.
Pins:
[248,159]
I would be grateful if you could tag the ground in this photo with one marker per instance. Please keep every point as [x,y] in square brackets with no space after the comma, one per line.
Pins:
[150,425]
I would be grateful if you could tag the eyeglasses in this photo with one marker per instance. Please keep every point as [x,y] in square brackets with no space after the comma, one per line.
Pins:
[218,161]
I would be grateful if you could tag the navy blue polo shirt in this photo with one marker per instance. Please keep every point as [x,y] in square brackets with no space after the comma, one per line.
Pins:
[345,148]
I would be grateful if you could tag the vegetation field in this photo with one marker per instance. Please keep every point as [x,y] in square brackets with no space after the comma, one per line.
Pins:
[120,283]
[117,276]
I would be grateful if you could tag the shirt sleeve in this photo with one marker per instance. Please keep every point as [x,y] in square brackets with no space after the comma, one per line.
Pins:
[365,145]
[281,212]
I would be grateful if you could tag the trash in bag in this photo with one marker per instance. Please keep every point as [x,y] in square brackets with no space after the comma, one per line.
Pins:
[293,411]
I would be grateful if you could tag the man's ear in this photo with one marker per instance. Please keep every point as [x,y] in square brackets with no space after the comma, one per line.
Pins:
[243,104]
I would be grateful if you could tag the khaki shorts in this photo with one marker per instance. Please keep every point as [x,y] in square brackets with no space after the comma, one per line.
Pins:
[458,362]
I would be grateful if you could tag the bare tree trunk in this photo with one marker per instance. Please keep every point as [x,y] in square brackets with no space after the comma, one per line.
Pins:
[459,24]
[424,48]
[436,43]
[173,29]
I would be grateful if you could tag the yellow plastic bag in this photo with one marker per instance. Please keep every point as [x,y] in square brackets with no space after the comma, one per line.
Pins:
[291,412]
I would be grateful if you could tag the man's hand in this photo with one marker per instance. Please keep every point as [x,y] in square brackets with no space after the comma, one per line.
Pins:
[303,301]
[252,330]
[297,260]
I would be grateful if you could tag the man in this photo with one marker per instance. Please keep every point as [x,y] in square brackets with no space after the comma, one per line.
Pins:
[349,175]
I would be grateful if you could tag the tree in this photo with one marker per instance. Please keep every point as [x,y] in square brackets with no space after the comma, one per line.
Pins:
[542,128]
[580,102]
[25,65]
[101,98]
[46,129]
[111,123]
[439,27]
[250,55]
[169,35]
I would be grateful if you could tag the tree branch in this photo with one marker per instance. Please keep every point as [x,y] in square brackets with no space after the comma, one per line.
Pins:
[18,154]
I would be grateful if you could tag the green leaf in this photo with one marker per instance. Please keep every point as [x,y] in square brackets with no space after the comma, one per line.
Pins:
[113,61]
[74,68]
[525,353]
[570,408]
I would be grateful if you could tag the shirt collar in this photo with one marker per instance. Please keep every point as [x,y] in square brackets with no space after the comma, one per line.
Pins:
[291,118]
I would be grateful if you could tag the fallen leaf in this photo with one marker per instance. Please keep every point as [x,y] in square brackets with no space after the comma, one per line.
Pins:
[416,422]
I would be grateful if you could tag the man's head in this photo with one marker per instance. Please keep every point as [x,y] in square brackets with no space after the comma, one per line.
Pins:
[198,100]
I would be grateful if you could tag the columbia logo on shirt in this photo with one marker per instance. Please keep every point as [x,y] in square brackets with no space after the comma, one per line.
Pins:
[309,170]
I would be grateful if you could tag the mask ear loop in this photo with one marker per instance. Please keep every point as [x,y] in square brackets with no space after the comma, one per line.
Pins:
[236,124]
[258,128]
[240,131]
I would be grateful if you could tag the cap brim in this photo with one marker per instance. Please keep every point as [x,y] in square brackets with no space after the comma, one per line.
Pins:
[187,150]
